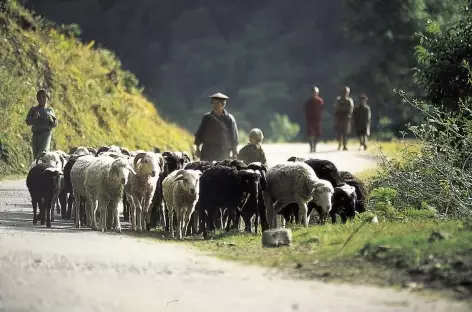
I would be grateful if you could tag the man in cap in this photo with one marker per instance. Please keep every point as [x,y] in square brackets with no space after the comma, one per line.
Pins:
[313,112]
[42,120]
[217,132]
[343,109]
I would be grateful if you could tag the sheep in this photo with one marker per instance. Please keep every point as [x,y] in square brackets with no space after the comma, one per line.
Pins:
[253,207]
[323,168]
[52,159]
[67,190]
[201,165]
[235,163]
[344,203]
[172,161]
[80,151]
[77,178]
[295,158]
[361,189]
[42,182]
[294,182]
[105,180]
[324,195]
[180,191]
[222,186]
[141,187]
[113,148]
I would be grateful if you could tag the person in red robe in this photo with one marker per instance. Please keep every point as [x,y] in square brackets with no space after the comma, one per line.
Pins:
[313,112]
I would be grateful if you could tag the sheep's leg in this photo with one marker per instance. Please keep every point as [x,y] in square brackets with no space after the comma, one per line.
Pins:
[49,205]
[63,202]
[302,212]
[34,201]
[270,211]
[70,202]
[110,215]
[147,206]
[102,208]
[42,211]
[333,216]
[171,224]
[180,217]
[277,207]
[76,210]
[94,207]
[132,207]
[117,217]
[56,204]
[125,208]
[139,214]
[187,218]
[53,204]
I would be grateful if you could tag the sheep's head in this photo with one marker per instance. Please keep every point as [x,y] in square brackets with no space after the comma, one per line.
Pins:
[81,150]
[148,163]
[190,180]
[172,162]
[248,181]
[295,159]
[259,167]
[322,196]
[344,200]
[51,159]
[120,169]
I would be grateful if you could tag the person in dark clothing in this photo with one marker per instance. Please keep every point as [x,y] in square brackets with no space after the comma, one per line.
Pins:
[253,151]
[313,113]
[343,109]
[361,117]
[42,120]
[217,132]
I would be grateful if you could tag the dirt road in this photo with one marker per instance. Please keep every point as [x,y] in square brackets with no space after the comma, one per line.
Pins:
[65,269]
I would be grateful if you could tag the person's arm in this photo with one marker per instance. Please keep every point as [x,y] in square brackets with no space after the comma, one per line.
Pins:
[199,134]
[351,106]
[264,160]
[29,117]
[235,137]
[52,119]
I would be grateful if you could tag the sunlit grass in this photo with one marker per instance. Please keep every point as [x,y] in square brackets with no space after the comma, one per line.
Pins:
[93,109]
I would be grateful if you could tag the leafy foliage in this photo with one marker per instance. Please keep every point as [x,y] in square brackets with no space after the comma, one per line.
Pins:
[282,129]
[264,54]
[96,101]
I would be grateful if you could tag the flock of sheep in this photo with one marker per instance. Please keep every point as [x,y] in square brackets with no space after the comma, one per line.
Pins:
[170,190]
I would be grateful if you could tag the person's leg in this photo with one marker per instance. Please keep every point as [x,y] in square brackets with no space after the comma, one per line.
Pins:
[44,142]
[365,142]
[361,142]
[345,140]
[315,141]
[34,145]
[339,138]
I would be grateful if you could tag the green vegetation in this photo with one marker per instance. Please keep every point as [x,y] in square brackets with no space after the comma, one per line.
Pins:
[420,194]
[95,100]
[264,54]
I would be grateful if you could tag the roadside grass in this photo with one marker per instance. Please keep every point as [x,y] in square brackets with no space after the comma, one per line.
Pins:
[96,101]
[417,253]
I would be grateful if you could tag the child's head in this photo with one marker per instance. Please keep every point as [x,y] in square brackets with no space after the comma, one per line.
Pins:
[256,136]
[363,99]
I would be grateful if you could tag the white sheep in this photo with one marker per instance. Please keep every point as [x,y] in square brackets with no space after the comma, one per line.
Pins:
[141,187]
[293,182]
[105,180]
[77,177]
[181,191]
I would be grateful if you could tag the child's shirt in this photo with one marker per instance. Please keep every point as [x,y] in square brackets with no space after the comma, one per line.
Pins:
[252,153]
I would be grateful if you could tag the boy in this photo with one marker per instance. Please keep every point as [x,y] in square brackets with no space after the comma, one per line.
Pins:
[362,116]
[253,151]
[42,120]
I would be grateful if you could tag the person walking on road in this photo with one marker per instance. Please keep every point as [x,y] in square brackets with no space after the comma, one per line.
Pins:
[42,120]
[313,112]
[362,117]
[217,132]
[343,109]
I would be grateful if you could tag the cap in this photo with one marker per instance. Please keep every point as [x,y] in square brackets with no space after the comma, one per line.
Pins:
[219,96]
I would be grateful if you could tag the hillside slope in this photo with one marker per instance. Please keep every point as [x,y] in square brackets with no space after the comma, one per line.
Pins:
[97,103]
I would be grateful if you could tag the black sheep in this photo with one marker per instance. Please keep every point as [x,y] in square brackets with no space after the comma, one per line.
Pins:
[253,207]
[225,187]
[42,182]
[343,203]
[361,189]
